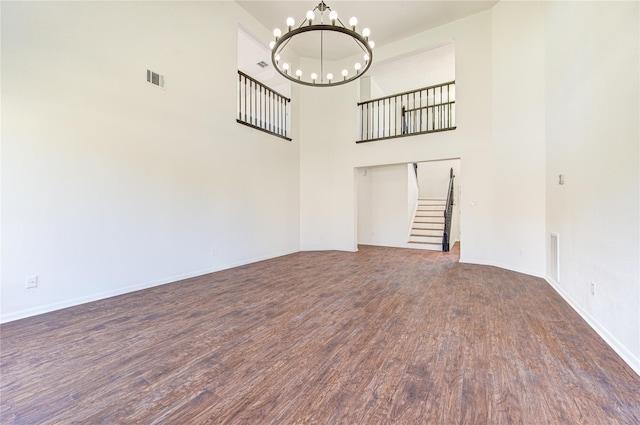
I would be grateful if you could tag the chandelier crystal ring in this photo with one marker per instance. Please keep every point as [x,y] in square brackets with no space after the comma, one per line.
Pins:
[336,26]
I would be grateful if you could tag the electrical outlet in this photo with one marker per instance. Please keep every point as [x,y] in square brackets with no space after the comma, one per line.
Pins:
[31,281]
[593,288]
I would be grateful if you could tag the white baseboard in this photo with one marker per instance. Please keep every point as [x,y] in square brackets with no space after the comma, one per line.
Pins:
[620,349]
[502,266]
[4,318]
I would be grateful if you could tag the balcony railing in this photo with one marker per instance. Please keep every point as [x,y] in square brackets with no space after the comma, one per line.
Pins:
[262,108]
[426,110]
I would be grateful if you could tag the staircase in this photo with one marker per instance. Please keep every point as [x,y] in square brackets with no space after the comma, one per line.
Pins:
[428,224]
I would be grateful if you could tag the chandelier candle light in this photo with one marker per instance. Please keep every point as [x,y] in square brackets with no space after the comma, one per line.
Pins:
[334,25]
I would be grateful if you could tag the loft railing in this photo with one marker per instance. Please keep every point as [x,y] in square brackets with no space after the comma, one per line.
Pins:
[448,213]
[262,108]
[426,110]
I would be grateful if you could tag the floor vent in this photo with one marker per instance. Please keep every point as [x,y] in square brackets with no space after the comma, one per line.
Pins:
[554,254]
[155,78]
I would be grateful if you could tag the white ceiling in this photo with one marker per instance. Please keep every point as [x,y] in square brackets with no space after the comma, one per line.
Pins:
[389,21]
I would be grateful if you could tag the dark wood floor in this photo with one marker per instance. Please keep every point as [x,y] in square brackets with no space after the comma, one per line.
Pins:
[382,336]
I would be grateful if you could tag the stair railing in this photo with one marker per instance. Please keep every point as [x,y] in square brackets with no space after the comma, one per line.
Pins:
[448,213]
[262,108]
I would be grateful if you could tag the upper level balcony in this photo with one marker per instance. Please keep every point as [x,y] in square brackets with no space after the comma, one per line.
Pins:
[426,110]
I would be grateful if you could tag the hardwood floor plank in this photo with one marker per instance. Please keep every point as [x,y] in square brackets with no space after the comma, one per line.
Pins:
[381,336]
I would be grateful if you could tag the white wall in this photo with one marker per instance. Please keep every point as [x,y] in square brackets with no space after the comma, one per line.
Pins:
[369,89]
[433,177]
[420,69]
[383,217]
[110,184]
[542,89]
[252,51]
[518,136]
[592,137]
[327,125]
[329,153]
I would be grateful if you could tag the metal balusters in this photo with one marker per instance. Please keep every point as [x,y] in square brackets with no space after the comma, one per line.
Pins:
[448,106]
[395,116]
[245,100]
[440,109]
[270,112]
[378,126]
[262,108]
[252,112]
[361,122]
[426,110]
[368,113]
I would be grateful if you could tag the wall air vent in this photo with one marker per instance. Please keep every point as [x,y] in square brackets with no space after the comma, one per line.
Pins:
[262,64]
[155,78]
[554,257]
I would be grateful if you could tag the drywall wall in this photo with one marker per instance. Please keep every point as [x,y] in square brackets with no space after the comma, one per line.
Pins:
[518,136]
[383,217]
[592,133]
[329,122]
[369,89]
[420,69]
[329,154]
[536,97]
[110,184]
[433,177]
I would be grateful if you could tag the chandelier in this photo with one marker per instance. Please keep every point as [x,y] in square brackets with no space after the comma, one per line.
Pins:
[333,25]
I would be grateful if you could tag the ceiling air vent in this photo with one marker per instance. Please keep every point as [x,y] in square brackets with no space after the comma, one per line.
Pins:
[155,78]
[262,64]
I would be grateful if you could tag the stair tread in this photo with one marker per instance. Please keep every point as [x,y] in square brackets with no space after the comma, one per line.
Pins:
[426,243]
